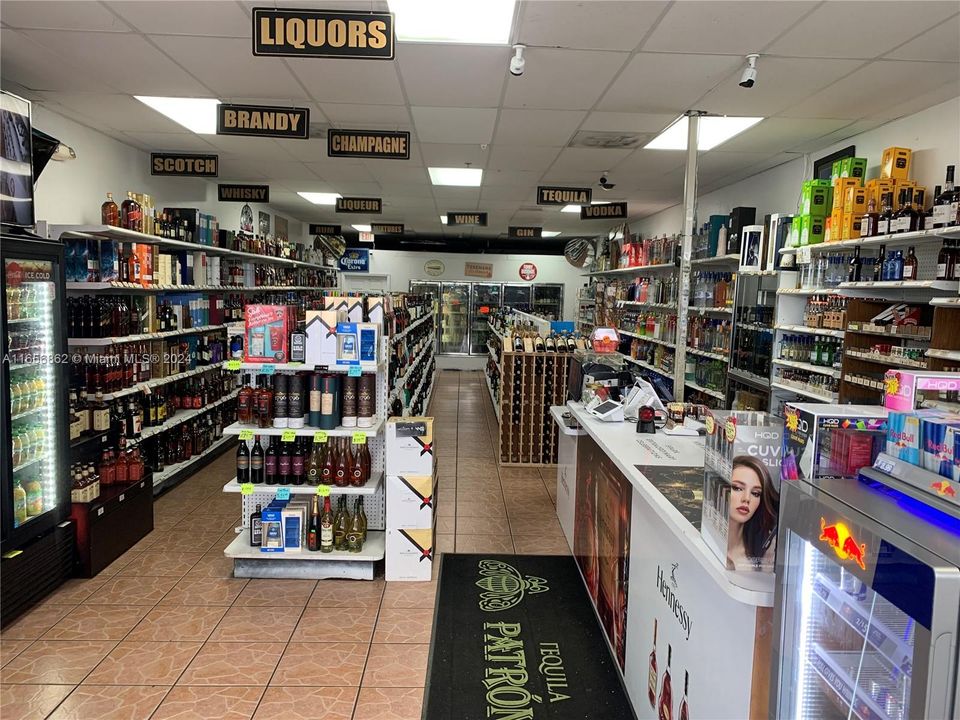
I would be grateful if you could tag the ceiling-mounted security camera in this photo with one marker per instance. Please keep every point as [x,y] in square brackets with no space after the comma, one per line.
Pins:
[749,76]
[605,181]
[517,62]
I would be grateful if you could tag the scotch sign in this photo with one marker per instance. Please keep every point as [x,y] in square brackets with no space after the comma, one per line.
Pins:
[184,164]
[608,211]
[548,195]
[243,193]
[263,121]
[316,229]
[518,231]
[359,205]
[378,144]
[467,218]
[323,33]
[386,228]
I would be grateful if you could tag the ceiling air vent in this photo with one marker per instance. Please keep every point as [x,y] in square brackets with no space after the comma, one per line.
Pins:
[616,140]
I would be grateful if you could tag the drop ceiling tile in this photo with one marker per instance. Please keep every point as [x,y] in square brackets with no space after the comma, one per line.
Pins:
[940,43]
[249,146]
[39,68]
[562,79]
[511,178]
[777,134]
[645,168]
[174,142]
[463,198]
[61,15]
[506,207]
[453,124]
[288,170]
[312,150]
[126,61]
[848,131]
[338,170]
[945,92]
[453,155]
[723,26]
[587,25]
[238,168]
[549,128]
[666,84]
[226,66]
[400,172]
[521,157]
[520,194]
[349,81]
[377,117]
[781,81]
[453,75]
[356,189]
[185,17]
[860,29]
[627,122]
[588,161]
[716,164]
[121,112]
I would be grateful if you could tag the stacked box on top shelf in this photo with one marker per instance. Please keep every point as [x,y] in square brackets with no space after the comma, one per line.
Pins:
[411,488]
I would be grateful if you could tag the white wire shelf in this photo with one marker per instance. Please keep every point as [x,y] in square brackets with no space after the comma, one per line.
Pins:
[823,397]
[369,488]
[373,549]
[646,365]
[943,354]
[647,338]
[100,342]
[729,259]
[121,287]
[887,359]
[150,384]
[637,270]
[708,354]
[704,310]
[159,478]
[339,431]
[417,323]
[182,417]
[706,390]
[804,329]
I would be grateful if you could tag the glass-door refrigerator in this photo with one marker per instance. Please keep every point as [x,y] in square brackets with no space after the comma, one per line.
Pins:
[517,296]
[454,318]
[867,603]
[34,430]
[548,301]
[486,301]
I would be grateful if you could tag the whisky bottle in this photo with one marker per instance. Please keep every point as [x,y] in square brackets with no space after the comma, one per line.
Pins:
[886,215]
[313,529]
[685,704]
[109,212]
[326,527]
[665,703]
[879,265]
[855,267]
[910,264]
[945,203]
[652,671]
[256,527]
[945,267]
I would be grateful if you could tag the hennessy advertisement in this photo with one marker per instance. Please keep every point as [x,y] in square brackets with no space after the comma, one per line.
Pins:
[323,33]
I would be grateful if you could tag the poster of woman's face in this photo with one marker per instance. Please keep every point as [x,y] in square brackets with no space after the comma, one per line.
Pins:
[752,516]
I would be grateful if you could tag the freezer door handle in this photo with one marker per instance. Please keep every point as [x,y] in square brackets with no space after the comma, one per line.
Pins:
[941,668]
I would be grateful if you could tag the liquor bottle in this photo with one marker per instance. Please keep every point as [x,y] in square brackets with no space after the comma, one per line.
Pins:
[886,215]
[665,703]
[315,465]
[256,527]
[907,218]
[878,266]
[264,405]
[343,462]
[652,670]
[341,523]
[315,400]
[313,529]
[855,266]
[295,404]
[326,527]
[109,212]
[270,465]
[284,465]
[280,400]
[945,267]
[349,402]
[870,220]
[945,204]
[245,402]
[297,463]
[256,462]
[355,532]
[243,463]
[356,469]
[910,264]
[896,266]
[517,343]
[329,470]
[685,704]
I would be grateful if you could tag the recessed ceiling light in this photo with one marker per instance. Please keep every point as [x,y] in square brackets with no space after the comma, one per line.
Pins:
[198,115]
[462,177]
[454,21]
[550,233]
[362,228]
[576,208]
[713,131]
[443,219]
[320,198]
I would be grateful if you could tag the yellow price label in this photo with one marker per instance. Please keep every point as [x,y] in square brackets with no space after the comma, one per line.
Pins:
[288,436]
[323,490]
[246,489]
[246,435]
[320,436]
[233,364]
[359,438]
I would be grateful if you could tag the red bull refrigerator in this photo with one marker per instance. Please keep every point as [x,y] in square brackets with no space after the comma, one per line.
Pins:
[867,609]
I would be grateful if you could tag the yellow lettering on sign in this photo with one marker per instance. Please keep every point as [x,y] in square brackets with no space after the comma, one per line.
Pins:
[266,38]
[378,34]
[158,164]
[230,118]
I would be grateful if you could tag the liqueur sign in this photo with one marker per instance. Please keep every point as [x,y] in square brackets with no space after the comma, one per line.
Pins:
[263,121]
[467,218]
[378,144]
[244,193]
[359,205]
[607,211]
[184,165]
[323,33]
[523,232]
[549,195]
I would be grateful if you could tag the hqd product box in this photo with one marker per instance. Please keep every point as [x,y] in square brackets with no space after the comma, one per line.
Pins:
[321,326]
[895,163]
[902,386]
[409,554]
[409,446]
[411,501]
[268,334]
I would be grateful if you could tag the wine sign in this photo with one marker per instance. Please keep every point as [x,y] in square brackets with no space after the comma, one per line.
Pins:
[263,121]
[323,33]
[467,218]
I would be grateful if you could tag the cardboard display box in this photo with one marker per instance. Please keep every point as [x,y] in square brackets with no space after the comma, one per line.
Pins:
[409,446]
[410,554]
[411,501]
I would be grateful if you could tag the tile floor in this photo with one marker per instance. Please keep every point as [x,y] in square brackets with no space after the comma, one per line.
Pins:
[166,633]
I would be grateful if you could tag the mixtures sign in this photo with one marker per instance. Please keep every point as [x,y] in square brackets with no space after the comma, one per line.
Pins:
[263,121]
[386,228]
[323,33]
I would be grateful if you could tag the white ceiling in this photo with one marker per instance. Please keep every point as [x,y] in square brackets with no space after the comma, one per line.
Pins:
[828,70]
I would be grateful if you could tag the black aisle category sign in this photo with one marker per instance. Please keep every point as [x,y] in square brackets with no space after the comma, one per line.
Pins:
[467,218]
[549,195]
[243,193]
[524,231]
[386,228]
[263,121]
[608,211]
[381,144]
[323,33]
[316,229]
[184,164]
[359,205]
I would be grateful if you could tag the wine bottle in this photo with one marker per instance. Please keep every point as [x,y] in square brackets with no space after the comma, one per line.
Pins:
[326,527]
[341,523]
[355,533]
[281,398]
[349,402]
[297,463]
[284,464]
[243,463]
[313,529]
[270,462]
[329,470]
[343,462]
[315,464]
[256,462]
[358,510]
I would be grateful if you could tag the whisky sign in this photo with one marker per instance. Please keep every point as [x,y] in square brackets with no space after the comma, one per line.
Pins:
[316,229]
[263,121]
[467,218]
[359,205]
[184,164]
[386,228]
[244,193]
[524,231]
[607,211]
[549,195]
[379,144]
[323,33]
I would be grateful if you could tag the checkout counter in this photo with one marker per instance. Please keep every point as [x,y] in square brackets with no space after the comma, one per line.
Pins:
[678,622]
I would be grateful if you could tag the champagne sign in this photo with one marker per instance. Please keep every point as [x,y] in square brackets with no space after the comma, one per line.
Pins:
[467,218]
[263,121]
[549,195]
[379,144]
[184,164]
[323,33]
[359,205]
[244,193]
[607,211]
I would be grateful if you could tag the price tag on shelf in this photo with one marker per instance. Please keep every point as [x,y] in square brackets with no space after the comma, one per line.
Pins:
[283,493]
[268,369]
[246,435]
[354,371]
[288,436]
[359,438]
[323,490]
[883,465]
[233,364]
[246,489]
[320,436]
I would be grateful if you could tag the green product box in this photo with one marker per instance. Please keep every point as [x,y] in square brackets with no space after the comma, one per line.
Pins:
[811,229]
[816,198]
[835,170]
[853,167]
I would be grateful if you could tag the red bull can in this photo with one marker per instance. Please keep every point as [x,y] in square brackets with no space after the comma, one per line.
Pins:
[937,443]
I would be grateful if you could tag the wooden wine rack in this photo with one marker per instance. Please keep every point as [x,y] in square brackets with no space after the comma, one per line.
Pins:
[530,384]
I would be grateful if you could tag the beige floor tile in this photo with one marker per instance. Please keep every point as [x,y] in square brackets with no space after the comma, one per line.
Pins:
[325,624]
[482,526]
[177,540]
[119,564]
[129,590]
[307,703]
[30,702]
[110,702]
[75,591]
[148,540]
[519,473]
[209,703]
[134,662]
[389,704]
[9,649]
[55,662]
[467,508]
[535,525]
[276,593]
[257,624]
[541,545]
[409,595]
[233,663]
[396,665]
[178,623]
[321,664]
[212,565]
[35,622]
[97,622]
[446,524]
[501,544]
[161,564]
[403,626]
[347,593]
[445,543]
[205,591]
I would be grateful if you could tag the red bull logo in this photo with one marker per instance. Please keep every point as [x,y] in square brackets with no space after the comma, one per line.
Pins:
[944,488]
[843,543]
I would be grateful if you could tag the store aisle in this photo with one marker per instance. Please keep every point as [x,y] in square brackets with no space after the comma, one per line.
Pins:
[166,632]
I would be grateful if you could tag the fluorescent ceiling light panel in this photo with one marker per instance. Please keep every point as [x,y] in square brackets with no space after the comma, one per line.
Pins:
[461,177]
[550,233]
[576,208]
[362,228]
[713,131]
[443,219]
[320,198]
[454,21]
[198,115]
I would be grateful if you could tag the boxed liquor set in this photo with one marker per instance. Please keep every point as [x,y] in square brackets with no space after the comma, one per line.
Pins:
[411,490]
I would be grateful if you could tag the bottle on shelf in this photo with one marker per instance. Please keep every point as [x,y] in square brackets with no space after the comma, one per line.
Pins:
[256,462]
[313,529]
[326,527]
[243,463]
[109,212]
[946,204]
[341,523]
[910,265]
[256,527]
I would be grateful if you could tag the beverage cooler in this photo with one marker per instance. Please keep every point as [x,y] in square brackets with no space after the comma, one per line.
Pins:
[517,296]
[867,603]
[35,541]
[486,300]
[454,318]
[548,301]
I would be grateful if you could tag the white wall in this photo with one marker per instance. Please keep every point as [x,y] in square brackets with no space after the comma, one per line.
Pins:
[70,193]
[933,135]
